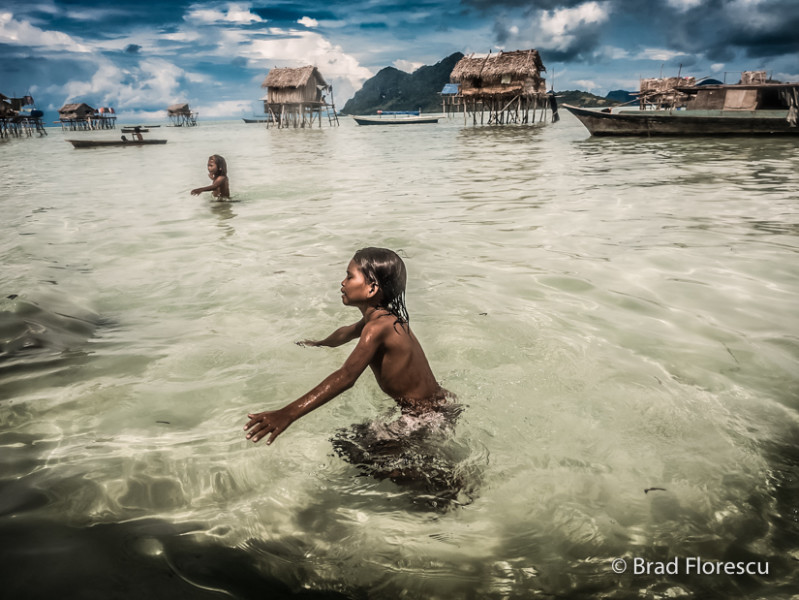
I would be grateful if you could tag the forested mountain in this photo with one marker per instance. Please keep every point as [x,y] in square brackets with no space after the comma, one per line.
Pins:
[392,89]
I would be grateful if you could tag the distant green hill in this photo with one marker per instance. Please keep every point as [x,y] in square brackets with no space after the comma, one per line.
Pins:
[578,98]
[392,89]
[622,96]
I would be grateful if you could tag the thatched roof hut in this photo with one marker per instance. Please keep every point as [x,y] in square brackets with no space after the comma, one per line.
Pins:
[506,73]
[180,109]
[301,85]
[79,110]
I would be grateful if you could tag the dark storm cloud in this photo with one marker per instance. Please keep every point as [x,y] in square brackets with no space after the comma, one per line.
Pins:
[719,29]
[522,5]
[770,28]
[293,12]
[132,49]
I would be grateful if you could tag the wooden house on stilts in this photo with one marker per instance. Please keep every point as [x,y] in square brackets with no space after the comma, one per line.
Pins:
[501,88]
[296,97]
[79,115]
[19,117]
[181,115]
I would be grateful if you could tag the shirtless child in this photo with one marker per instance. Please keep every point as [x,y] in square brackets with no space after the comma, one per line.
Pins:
[217,172]
[375,284]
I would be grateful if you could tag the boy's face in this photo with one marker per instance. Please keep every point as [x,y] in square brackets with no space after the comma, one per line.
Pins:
[212,165]
[356,289]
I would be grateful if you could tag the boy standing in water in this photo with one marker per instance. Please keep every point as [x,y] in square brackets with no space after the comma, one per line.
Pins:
[217,172]
[375,284]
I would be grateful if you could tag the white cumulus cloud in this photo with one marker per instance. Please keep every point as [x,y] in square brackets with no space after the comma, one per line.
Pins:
[239,14]
[154,81]
[560,26]
[308,22]
[310,48]
[660,54]
[22,33]
[407,65]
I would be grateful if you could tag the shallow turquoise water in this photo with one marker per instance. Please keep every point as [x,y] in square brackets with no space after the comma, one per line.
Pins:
[616,315]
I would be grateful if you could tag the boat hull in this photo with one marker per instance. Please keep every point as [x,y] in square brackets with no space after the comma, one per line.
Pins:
[394,120]
[683,122]
[104,143]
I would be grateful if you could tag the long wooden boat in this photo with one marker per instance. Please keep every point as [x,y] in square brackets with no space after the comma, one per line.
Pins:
[697,110]
[395,117]
[104,143]
[258,120]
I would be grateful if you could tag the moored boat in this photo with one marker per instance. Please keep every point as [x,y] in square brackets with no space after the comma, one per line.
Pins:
[680,107]
[395,117]
[138,139]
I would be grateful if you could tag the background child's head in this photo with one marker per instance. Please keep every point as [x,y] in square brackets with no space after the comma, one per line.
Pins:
[221,165]
[385,268]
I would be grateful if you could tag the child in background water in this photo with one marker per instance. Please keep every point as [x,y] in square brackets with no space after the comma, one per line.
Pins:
[217,172]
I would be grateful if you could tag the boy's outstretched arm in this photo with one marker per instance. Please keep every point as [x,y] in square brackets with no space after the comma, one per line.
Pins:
[340,336]
[275,422]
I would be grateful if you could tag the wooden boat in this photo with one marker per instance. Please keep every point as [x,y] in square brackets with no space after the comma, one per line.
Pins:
[137,139]
[259,120]
[752,108]
[103,143]
[395,117]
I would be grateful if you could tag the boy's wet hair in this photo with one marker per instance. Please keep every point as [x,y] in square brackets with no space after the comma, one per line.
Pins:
[221,164]
[385,268]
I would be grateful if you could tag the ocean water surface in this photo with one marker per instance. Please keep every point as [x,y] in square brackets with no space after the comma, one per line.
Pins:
[618,318]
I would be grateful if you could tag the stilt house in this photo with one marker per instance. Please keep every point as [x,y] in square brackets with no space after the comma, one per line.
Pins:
[82,116]
[19,117]
[296,97]
[502,88]
[75,112]
[181,116]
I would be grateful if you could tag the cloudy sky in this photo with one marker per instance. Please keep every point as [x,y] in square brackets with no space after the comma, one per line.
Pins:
[140,55]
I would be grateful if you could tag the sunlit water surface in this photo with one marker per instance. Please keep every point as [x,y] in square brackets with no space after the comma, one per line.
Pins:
[615,315]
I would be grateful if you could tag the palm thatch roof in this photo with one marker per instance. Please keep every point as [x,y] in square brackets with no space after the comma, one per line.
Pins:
[181,108]
[75,110]
[491,68]
[288,77]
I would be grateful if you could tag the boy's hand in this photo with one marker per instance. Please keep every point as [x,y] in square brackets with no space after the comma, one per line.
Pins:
[272,422]
[304,343]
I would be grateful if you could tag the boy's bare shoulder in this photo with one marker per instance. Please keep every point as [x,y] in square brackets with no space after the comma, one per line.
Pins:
[381,325]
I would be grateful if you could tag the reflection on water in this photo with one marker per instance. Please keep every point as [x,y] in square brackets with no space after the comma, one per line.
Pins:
[618,316]
[224,211]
